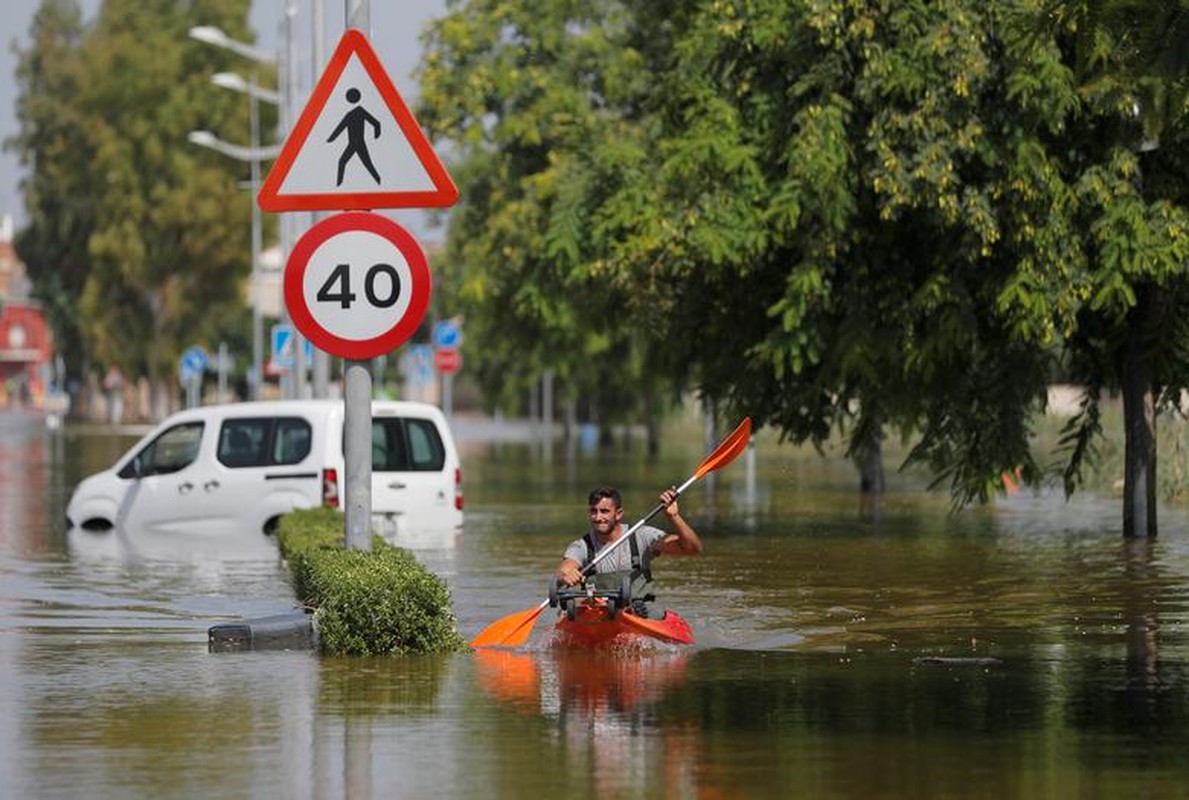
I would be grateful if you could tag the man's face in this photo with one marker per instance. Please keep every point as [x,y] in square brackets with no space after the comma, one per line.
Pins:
[604,516]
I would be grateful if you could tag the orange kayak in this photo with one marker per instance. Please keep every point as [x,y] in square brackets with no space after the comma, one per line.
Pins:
[595,621]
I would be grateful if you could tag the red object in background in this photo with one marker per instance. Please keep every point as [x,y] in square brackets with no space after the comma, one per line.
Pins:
[25,345]
[447,360]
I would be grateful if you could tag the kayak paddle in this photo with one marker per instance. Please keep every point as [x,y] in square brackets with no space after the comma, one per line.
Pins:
[514,629]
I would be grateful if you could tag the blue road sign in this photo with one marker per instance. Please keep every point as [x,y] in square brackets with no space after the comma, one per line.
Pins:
[447,333]
[194,363]
[282,348]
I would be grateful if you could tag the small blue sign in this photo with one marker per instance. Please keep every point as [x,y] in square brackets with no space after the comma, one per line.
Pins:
[194,363]
[447,333]
[282,348]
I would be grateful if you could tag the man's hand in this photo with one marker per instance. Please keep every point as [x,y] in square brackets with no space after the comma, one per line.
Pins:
[569,573]
[669,498]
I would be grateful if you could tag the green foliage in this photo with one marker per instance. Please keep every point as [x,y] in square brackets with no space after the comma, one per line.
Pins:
[381,602]
[137,240]
[52,145]
[533,95]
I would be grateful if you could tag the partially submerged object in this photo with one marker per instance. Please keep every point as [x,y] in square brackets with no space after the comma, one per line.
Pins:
[590,618]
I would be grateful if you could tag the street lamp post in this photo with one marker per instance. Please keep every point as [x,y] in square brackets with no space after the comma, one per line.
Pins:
[230,80]
[253,155]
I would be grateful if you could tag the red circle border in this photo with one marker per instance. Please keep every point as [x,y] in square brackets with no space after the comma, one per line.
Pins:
[299,311]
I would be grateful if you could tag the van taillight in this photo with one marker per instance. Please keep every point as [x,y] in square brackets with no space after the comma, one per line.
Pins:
[458,488]
[330,488]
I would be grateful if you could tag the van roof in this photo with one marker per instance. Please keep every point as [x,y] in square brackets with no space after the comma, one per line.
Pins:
[273,407]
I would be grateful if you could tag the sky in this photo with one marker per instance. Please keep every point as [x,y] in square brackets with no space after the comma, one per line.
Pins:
[396,26]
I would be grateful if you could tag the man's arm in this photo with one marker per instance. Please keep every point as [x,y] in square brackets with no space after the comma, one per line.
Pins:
[685,541]
[569,572]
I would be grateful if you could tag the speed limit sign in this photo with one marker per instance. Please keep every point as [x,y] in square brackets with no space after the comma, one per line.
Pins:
[357,285]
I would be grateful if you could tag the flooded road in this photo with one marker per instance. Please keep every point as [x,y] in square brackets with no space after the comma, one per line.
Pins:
[1022,650]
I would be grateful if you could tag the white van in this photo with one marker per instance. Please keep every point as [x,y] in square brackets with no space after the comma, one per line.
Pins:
[240,466]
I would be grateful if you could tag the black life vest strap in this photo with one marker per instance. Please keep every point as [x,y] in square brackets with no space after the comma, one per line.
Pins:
[592,550]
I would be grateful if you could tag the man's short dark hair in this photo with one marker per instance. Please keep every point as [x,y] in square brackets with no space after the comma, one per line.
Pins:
[606,492]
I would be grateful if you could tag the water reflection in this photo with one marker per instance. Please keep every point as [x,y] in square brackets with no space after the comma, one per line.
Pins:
[575,683]
[1020,650]
[602,709]
[1141,600]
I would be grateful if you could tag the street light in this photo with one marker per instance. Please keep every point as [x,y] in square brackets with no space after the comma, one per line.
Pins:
[212,35]
[235,82]
[254,155]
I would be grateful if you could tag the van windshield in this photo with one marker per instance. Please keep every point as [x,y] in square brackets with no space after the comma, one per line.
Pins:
[175,449]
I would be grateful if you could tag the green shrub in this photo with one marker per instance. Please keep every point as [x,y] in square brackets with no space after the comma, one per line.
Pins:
[382,602]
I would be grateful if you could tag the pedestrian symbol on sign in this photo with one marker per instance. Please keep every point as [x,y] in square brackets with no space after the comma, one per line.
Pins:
[355,122]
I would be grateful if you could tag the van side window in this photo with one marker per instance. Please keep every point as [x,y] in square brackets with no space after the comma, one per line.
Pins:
[425,445]
[388,446]
[292,441]
[406,445]
[175,449]
[241,442]
[263,441]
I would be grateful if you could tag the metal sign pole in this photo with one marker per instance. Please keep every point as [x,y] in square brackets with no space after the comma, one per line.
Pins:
[357,395]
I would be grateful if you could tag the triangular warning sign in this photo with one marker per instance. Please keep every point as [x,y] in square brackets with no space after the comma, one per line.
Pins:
[356,145]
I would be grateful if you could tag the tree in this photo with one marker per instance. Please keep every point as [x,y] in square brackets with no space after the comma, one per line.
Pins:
[1127,170]
[526,91]
[154,259]
[53,148]
[854,216]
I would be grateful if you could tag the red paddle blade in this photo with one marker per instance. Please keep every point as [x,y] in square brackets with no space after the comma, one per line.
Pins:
[727,450]
[510,631]
[676,633]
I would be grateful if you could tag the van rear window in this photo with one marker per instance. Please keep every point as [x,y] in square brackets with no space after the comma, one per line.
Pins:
[263,441]
[406,445]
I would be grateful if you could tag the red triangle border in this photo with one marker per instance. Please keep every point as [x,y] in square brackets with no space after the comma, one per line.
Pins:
[444,194]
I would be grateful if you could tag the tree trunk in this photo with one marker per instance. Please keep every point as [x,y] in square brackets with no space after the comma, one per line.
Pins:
[1139,426]
[869,460]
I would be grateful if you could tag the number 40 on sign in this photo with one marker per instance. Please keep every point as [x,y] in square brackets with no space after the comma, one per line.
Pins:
[357,285]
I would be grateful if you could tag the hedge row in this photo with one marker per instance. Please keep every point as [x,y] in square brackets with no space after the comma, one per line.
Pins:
[378,603]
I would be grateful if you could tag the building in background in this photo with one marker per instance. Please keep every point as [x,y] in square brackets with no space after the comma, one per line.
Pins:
[26,347]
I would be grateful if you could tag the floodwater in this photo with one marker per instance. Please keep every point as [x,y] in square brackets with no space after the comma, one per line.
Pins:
[1021,650]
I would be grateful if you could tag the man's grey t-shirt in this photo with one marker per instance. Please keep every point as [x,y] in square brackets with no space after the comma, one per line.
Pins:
[620,559]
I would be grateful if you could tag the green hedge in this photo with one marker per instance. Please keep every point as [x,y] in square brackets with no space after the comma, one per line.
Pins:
[378,603]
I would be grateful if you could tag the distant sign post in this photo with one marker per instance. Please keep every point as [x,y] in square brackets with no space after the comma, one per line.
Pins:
[283,356]
[447,359]
[447,333]
[357,284]
[193,365]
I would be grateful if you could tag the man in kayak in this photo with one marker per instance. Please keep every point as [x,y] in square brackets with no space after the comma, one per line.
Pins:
[632,560]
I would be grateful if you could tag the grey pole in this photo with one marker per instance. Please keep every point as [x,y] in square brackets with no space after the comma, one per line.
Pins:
[547,415]
[283,119]
[257,322]
[357,380]
[221,393]
[299,353]
[359,15]
[321,372]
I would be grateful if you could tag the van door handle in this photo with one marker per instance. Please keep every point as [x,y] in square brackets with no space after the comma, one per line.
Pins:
[184,488]
[210,485]
[397,485]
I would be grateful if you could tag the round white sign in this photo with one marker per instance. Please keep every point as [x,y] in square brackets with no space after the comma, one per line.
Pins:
[357,285]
